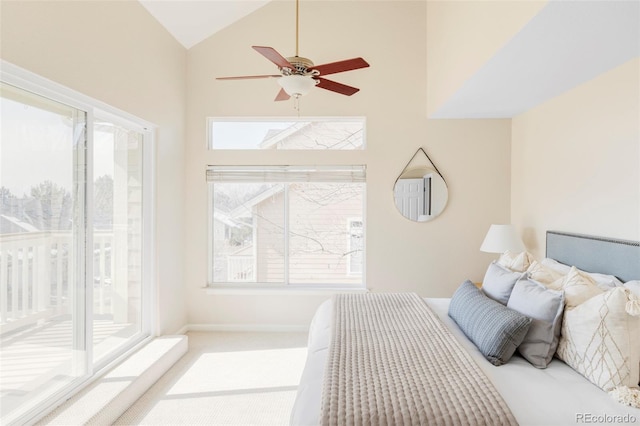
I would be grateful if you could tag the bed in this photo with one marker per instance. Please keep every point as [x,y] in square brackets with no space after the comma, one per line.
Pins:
[555,395]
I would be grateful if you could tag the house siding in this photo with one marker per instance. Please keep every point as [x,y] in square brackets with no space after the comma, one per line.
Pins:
[319,217]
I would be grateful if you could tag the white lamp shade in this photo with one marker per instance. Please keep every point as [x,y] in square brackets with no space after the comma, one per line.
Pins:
[501,238]
[296,85]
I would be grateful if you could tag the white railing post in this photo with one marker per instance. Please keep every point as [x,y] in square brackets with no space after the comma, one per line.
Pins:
[27,263]
[24,278]
[59,274]
[14,283]
[4,287]
[240,269]
[44,274]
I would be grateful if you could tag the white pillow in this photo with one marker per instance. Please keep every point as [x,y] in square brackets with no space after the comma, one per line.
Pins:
[518,262]
[634,286]
[556,266]
[604,281]
[599,339]
[578,287]
[546,275]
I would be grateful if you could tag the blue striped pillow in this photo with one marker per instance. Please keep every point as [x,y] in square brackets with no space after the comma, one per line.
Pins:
[496,330]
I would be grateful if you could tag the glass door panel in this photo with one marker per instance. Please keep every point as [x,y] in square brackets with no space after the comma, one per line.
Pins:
[117,236]
[42,198]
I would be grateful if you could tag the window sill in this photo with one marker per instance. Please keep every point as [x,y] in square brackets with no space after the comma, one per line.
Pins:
[273,291]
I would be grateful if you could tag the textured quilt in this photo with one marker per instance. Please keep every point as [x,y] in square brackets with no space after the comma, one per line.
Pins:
[392,361]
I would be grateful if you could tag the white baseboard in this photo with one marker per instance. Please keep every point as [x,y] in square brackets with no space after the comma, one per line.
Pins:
[182,330]
[247,328]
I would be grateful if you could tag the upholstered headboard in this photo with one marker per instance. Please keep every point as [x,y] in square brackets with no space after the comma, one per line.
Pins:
[620,258]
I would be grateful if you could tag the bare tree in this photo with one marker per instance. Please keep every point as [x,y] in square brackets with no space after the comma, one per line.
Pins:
[103,202]
[49,207]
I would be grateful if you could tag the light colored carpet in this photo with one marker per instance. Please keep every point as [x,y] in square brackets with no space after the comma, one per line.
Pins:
[226,379]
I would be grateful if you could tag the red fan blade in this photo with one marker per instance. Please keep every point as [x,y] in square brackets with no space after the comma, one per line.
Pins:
[282,96]
[247,77]
[341,66]
[336,87]
[271,54]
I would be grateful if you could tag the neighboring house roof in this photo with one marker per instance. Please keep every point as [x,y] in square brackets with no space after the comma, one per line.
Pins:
[244,210]
[274,136]
[224,218]
[316,134]
[13,225]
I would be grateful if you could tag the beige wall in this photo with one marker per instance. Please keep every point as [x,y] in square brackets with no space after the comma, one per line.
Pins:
[569,164]
[576,161]
[117,53]
[463,35]
[473,155]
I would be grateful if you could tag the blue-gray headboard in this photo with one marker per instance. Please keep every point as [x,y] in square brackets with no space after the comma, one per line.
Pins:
[620,258]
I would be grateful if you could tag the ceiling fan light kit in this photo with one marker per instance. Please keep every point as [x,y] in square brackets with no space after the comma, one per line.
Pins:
[299,75]
[297,85]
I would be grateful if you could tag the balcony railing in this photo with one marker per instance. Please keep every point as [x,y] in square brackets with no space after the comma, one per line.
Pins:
[36,276]
[240,268]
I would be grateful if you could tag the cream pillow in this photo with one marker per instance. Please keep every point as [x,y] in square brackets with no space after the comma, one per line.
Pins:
[517,262]
[578,287]
[543,274]
[634,286]
[556,266]
[604,281]
[599,339]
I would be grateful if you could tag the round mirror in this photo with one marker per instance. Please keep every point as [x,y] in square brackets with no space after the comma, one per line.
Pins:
[420,194]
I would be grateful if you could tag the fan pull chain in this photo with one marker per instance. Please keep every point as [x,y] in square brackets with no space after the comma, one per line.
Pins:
[296,104]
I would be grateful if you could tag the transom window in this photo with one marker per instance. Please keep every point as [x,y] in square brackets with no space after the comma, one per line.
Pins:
[322,133]
[287,225]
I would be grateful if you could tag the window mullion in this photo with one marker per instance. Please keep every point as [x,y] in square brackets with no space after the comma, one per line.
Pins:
[89,248]
[286,233]
[79,290]
[148,185]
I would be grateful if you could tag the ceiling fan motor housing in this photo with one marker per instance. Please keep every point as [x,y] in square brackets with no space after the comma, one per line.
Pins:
[301,65]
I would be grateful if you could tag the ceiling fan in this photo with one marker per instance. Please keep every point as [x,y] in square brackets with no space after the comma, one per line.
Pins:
[298,75]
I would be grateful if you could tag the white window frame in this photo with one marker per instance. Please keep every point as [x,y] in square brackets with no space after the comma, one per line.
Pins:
[212,120]
[350,223]
[28,81]
[232,287]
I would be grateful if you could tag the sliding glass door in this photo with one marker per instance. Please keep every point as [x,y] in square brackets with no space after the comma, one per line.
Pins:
[117,235]
[43,172]
[74,224]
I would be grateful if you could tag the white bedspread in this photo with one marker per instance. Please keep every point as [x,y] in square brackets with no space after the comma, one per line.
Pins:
[556,395]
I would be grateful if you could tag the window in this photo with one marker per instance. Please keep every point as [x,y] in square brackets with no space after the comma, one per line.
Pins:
[287,134]
[356,248]
[287,225]
[75,221]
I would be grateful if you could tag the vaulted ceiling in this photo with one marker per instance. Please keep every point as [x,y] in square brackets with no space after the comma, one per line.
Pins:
[566,44]
[191,21]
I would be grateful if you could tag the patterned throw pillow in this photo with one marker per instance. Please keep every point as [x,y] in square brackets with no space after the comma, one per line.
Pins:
[600,339]
[495,329]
